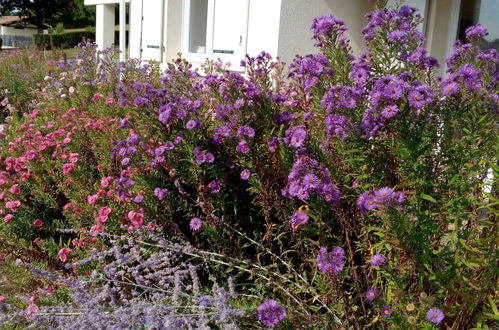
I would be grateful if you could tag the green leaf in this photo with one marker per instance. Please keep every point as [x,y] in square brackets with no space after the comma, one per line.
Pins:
[428,198]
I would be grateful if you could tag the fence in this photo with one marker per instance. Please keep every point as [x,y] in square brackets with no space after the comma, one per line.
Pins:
[16,41]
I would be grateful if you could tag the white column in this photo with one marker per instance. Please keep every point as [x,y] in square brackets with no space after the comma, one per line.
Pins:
[104,26]
[122,30]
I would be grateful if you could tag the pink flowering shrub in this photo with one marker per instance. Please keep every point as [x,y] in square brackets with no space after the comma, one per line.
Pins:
[362,187]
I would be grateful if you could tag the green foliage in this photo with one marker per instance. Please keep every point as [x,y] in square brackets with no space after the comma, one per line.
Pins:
[62,40]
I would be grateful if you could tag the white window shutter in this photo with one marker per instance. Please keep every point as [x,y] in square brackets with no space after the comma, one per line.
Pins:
[152,30]
[229,30]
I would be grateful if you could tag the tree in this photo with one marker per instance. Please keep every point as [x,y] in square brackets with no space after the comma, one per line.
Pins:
[39,11]
[75,16]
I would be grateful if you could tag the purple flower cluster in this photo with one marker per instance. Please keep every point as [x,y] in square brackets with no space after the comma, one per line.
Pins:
[331,263]
[476,32]
[203,156]
[327,27]
[340,97]
[270,313]
[308,176]
[309,70]
[399,25]
[383,198]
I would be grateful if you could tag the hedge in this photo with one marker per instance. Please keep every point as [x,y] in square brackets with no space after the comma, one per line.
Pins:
[67,39]
[62,40]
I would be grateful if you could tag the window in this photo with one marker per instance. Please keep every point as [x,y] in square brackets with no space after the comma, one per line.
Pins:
[215,29]
[485,12]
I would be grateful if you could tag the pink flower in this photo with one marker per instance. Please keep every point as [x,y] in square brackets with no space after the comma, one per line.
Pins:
[73,157]
[105,211]
[38,223]
[2,299]
[136,217]
[37,241]
[67,168]
[96,229]
[110,101]
[104,182]
[31,311]
[13,205]
[63,254]
[8,218]
[92,199]
[97,96]
[15,189]
[151,226]
[66,140]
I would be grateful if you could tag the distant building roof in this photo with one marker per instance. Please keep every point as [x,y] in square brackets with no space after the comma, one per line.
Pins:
[19,22]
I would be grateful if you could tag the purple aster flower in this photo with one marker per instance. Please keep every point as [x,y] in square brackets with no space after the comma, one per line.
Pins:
[209,158]
[365,202]
[384,194]
[270,313]
[476,32]
[311,181]
[200,158]
[450,88]
[298,219]
[243,147]
[435,315]
[296,136]
[331,262]
[378,260]
[302,193]
[138,199]
[160,193]
[169,145]
[389,111]
[215,186]
[124,123]
[386,311]
[329,192]
[372,294]
[246,130]
[195,224]
[470,75]
[125,161]
[191,124]
[245,174]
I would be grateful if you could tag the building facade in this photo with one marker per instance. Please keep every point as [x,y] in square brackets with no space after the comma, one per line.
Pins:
[17,31]
[229,29]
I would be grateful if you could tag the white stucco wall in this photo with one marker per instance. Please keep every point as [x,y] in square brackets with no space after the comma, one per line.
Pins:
[296,19]
[263,26]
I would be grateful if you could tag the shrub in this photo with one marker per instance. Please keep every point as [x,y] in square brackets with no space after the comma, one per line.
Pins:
[359,187]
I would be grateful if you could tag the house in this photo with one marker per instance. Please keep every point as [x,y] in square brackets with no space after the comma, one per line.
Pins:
[17,31]
[229,29]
